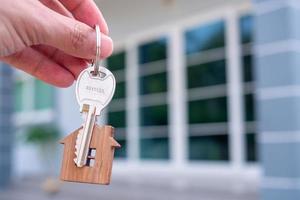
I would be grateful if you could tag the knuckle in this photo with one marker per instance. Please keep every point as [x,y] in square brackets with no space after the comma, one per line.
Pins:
[77,36]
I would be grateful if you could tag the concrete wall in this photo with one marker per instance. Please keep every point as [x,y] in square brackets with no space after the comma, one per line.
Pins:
[6,133]
[278,77]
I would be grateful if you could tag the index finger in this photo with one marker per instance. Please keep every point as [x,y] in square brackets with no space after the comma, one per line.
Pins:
[87,12]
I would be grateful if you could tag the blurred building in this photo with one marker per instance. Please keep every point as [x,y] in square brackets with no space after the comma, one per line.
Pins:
[184,99]
[184,104]
[6,124]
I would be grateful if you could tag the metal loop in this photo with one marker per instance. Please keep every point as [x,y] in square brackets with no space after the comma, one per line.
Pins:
[96,62]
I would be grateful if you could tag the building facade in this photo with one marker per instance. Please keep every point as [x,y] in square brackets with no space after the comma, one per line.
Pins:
[185,91]
[207,93]
[277,65]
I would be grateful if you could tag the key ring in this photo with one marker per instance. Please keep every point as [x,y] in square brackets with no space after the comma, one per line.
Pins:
[96,62]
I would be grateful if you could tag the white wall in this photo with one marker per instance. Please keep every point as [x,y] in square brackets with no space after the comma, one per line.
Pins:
[68,115]
[126,17]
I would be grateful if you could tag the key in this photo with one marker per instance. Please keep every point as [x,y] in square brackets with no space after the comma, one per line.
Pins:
[93,94]
[84,137]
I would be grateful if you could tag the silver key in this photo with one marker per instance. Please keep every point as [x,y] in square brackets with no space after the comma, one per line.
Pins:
[93,94]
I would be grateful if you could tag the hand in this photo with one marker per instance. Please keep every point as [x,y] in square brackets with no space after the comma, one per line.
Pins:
[51,39]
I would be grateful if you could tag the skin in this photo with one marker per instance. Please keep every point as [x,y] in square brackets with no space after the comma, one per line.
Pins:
[52,40]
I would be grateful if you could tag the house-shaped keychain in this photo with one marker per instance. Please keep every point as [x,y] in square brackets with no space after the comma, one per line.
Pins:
[100,157]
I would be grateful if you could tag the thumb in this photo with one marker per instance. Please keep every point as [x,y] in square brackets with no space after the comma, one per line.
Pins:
[73,37]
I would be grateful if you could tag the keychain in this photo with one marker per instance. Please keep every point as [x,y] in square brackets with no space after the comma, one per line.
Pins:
[89,151]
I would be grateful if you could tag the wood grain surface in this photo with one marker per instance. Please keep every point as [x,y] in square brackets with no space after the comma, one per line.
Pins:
[100,173]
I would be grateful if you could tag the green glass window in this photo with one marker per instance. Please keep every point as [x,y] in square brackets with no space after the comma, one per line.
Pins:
[117,119]
[205,37]
[121,152]
[210,148]
[153,51]
[154,148]
[120,136]
[207,74]
[18,94]
[153,83]
[154,115]
[246,37]
[249,107]
[208,110]
[43,96]
[250,143]
[248,68]
[120,90]
[246,29]
[116,61]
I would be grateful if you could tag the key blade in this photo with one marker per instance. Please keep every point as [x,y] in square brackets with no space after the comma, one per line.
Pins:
[84,138]
[78,142]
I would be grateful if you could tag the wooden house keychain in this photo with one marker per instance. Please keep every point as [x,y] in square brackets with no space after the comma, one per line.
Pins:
[89,151]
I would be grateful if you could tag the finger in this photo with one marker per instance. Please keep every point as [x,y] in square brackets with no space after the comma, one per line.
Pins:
[57,7]
[72,64]
[38,65]
[86,11]
[73,37]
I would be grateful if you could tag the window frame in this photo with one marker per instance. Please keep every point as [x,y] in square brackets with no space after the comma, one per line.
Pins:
[248,88]
[176,88]
[153,99]
[119,104]
[29,115]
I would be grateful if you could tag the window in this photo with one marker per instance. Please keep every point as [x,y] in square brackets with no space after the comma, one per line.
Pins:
[210,36]
[208,110]
[19,96]
[117,118]
[32,94]
[154,115]
[154,139]
[155,148]
[91,157]
[213,147]
[207,74]
[246,27]
[43,95]
[154,83]
[250,143]
[153,51]
[117,108]
[120,92]
[207,93]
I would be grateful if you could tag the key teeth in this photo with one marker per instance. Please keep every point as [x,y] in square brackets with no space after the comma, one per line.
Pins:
[78,141]
[76,152]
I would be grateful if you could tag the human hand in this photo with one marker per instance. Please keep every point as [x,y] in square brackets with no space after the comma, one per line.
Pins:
[51,39]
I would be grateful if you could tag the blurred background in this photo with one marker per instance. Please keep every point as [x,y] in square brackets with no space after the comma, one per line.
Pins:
[206,106]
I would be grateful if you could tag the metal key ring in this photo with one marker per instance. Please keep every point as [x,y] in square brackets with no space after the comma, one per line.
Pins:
[96,62]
